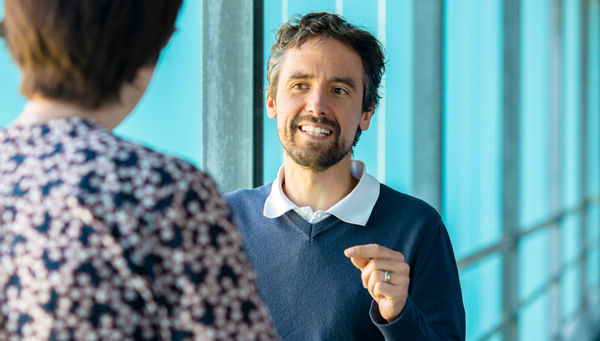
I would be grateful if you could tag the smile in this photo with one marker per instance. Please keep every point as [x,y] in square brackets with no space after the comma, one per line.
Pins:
[315,131]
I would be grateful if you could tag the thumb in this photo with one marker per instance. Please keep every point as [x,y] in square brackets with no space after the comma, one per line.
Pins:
[359,262]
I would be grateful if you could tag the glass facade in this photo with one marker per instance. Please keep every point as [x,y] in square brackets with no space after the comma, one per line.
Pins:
[472,192]
[534,119]
[557,240]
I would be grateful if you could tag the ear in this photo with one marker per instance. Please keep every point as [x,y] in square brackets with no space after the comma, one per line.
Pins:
[143,76]
[365,119]
[271,107]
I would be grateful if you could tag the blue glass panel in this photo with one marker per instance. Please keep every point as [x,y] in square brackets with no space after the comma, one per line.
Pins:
[534,121]
[306,6]
[172,106]
[11,101]
[569,292]
[473,123]
[533,263]
[399,95]
[364,14]
[593,126]
[569,237]
[533,320]
[273,152]
[572,95]
[482,293]
[169,117]
[496,337]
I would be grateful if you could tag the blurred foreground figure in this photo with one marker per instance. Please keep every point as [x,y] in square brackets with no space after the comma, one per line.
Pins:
[101,238]
[338,255]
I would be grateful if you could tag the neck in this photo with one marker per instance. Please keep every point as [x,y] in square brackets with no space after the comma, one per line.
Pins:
[319,190]
[39,110]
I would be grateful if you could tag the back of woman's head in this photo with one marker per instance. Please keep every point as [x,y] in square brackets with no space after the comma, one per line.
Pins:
[83,51]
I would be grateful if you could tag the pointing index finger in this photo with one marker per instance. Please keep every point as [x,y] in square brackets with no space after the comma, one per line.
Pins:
[373,251]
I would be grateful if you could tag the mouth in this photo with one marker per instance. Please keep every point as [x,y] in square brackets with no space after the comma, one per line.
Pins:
[315,131]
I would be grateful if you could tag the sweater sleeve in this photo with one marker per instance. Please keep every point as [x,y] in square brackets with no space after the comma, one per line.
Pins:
[434,309]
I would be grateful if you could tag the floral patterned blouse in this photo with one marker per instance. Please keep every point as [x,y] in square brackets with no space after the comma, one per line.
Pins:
[102,239]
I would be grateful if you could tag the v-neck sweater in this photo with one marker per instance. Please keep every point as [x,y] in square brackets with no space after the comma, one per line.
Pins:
[315,293]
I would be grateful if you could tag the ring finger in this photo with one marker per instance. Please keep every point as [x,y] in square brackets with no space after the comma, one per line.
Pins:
[379,276]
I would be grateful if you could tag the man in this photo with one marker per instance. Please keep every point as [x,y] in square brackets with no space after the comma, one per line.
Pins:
[323,208]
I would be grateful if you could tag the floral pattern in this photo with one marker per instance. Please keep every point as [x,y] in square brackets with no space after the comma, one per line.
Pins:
[103,239]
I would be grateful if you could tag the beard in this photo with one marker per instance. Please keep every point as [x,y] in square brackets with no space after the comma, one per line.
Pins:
[314,156]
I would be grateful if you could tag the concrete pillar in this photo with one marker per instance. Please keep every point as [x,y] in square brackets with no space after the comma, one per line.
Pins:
[428,106]
[229,103]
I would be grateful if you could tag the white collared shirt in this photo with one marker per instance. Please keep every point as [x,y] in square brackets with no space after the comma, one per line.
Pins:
[355,208]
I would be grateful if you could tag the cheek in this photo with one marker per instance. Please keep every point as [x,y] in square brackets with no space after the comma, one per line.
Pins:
[287,115]
[356,123]
[283,123]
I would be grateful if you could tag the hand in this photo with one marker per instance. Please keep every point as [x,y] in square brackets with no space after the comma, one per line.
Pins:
[373,261]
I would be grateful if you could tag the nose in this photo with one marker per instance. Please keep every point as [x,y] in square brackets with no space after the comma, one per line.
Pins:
[317,102]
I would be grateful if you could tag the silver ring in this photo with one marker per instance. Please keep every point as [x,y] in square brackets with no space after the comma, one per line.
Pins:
[387,276]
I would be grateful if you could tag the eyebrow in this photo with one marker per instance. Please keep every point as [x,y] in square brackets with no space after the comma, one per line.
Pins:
[344,80]
[348,81]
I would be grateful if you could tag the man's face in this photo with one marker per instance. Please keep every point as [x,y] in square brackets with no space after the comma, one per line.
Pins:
[318,105]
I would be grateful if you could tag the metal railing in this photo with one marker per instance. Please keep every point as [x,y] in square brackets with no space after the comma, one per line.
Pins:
[506,244]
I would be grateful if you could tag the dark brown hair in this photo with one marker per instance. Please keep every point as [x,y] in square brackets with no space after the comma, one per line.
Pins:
[83,51]
[298,30]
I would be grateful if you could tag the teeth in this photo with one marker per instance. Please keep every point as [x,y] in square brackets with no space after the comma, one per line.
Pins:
[315,131]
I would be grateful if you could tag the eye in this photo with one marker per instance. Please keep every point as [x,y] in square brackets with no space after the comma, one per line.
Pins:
[299,86]
[340,91]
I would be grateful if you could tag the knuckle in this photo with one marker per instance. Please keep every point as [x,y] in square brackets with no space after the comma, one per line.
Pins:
[401,256]
[368,268]
[376,263]
[364,277]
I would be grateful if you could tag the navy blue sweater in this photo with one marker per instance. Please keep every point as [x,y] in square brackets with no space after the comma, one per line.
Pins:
[315,293]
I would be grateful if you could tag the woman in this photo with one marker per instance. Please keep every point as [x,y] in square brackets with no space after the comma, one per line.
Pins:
[101,238]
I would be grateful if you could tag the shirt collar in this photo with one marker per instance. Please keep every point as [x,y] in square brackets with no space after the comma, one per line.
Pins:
[355,208]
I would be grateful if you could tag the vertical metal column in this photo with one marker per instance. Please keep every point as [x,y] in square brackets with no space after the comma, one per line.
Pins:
[228,109]
[597,29]
[510,169]
[556,157]
[258,93]
[428,105]
[584,27]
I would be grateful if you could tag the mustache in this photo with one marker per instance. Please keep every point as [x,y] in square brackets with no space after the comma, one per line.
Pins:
[335,127]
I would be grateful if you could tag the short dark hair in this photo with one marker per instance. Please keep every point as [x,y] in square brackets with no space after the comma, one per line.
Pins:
[83,51]
[298,30]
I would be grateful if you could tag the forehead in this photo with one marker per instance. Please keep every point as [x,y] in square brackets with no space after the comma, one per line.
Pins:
[323,58]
